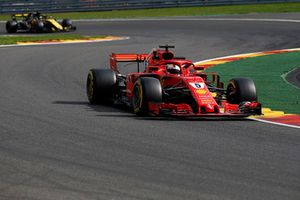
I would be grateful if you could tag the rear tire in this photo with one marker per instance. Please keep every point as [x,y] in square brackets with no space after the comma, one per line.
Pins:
[101,84]
[11,26]
[241,89]
[40,26]
[145,90]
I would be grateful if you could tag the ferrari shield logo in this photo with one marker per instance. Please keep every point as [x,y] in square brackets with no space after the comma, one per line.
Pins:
[198,85]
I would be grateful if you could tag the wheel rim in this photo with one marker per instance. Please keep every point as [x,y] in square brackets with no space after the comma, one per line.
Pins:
[231,92]
[90,87]
[137,98]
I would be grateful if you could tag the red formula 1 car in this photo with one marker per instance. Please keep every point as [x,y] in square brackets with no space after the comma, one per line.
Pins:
[171,86]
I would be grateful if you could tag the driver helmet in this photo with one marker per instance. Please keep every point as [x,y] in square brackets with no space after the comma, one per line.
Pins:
[172,68]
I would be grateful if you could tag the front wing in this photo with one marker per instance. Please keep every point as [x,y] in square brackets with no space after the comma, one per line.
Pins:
[185,111]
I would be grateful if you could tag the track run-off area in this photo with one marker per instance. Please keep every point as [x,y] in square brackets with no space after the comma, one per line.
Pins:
[268,115]
[54,145]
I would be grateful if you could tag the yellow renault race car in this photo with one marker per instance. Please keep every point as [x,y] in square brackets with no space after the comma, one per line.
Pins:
[35,22]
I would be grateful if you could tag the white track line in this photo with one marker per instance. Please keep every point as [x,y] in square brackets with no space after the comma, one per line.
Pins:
[240,55]
[283,76]
[275,123]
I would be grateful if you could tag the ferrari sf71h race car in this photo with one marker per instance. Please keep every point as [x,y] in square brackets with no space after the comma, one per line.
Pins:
[37,23]
[171,86]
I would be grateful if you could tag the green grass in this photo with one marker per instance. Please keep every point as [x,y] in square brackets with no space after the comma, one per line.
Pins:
[7,39]
[266,71]
[183,11]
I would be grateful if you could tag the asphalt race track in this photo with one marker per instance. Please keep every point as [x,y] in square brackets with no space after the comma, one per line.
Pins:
[54,145]
[294,77]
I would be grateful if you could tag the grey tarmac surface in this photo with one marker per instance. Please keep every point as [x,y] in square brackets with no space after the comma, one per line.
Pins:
[294,77]
[54,145]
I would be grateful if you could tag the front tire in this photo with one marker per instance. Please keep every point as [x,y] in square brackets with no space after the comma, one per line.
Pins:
[240,90]
[67,24]
[101,85]
[145,90]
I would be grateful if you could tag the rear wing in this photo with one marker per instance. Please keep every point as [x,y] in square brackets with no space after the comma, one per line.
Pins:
[22,15]
[115,58]
[34,15]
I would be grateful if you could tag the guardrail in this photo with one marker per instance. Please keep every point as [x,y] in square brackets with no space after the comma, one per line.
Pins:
[48,6]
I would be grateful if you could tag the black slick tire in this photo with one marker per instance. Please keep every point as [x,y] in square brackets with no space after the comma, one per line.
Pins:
[67,24]
[40,26]
[241,89]
[145,90]
[100,86]
[11,26]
